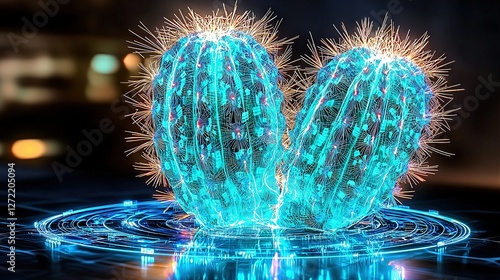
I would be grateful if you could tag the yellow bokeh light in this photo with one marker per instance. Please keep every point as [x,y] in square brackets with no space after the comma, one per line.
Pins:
[29,148]
[132,61]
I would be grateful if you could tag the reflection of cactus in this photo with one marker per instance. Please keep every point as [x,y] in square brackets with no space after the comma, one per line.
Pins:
[360,125]
[216,113]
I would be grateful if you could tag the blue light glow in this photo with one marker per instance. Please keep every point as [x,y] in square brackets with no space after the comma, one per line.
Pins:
[129,203]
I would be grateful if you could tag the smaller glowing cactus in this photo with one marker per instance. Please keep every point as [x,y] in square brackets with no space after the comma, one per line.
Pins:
[366,121]
[217,121]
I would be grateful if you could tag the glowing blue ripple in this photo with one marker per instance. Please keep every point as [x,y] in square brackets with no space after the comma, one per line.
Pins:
[147,228]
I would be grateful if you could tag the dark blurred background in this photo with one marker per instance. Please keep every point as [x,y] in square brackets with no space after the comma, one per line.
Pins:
[63,64]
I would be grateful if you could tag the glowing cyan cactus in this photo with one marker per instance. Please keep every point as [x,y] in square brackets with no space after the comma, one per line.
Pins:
[216,122]
[212,107]
[371,107]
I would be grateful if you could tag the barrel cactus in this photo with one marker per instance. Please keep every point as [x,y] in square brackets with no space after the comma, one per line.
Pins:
[214,120]
[365,126]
